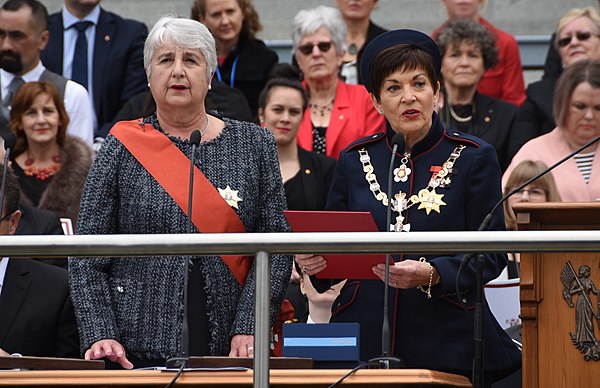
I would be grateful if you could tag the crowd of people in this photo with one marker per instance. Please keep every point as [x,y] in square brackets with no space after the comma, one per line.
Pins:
[101,110]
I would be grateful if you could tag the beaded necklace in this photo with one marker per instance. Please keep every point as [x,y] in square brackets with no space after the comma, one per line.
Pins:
[41,173]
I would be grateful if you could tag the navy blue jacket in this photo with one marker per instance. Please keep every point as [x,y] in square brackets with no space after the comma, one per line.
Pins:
[118,72]
[437,333]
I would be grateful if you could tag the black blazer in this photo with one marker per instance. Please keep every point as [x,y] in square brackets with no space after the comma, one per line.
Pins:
[553,65]
[494,120]
[254,63]
[316,172]
[535,117]
[35,221]
[36,314]
[118,62]
[373,32]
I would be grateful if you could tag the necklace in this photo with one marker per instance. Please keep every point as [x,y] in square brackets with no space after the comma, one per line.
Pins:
[457,117]
[427,198]
[203,132]
[321,108]
[352,49]
[41,173]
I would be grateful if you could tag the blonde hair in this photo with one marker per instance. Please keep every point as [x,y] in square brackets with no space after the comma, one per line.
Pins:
[574,13]
[524,171]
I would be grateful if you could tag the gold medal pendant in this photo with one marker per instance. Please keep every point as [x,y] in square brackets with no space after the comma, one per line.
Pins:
[401,173]
[430,200]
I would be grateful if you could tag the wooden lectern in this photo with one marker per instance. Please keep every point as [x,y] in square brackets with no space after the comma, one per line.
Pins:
[561,323]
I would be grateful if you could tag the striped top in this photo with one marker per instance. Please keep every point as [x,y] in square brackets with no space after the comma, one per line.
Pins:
[584,164]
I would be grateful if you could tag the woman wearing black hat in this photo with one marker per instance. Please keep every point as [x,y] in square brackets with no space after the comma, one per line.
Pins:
[443,181]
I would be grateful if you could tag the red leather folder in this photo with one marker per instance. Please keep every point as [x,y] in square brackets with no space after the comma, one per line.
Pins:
[344,266]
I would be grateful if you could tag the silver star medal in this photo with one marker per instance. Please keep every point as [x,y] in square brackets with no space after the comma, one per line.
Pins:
[230,196]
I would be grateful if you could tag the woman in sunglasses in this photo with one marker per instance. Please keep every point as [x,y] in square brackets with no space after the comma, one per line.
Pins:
[577,110]
[577,38]
[338,113]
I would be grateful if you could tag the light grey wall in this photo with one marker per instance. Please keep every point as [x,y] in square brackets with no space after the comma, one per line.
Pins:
[519,17]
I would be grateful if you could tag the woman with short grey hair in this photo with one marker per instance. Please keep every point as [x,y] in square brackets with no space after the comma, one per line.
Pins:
[184,33]
[309,21]
[338,113]
[130,310]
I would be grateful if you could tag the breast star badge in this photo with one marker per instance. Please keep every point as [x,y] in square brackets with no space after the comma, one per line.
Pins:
[230,196]
[430,200]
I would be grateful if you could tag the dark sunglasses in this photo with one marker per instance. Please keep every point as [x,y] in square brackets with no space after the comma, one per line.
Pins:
[308,48]
[581,36]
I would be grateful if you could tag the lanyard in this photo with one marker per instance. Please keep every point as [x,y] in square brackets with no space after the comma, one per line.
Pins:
[232,79]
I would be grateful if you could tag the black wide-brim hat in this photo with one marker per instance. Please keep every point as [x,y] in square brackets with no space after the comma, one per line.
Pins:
[392,38]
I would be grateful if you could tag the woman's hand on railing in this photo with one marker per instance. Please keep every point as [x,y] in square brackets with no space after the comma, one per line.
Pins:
[242,345]
[311,264]
[110,349]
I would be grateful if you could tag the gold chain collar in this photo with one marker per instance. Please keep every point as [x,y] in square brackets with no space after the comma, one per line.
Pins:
[427,197]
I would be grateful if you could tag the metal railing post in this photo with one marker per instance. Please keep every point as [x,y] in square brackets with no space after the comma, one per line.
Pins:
[262,320]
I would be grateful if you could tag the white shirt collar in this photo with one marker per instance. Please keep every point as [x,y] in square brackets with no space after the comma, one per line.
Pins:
[3,265]
[31,76]
[69,19]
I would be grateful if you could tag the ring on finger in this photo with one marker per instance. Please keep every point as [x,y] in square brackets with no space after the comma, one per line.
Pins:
[304,269]
[394,284]
[250,348]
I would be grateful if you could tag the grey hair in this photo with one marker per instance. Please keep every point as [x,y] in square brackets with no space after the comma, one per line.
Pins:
[309,21]
[185,33]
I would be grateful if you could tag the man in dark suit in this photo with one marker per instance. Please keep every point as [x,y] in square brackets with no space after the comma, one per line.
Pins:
[115,45]
[36,314]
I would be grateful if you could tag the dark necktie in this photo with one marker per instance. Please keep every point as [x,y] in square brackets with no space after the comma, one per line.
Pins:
[13,87]
[80,57]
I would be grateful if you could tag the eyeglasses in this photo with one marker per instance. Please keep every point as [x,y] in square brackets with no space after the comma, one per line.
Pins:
[535,193]
[306,49]
[581,36]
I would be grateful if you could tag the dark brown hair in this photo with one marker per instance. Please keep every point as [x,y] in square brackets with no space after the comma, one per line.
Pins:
[23,100]
[403,57]
[460,31]
[586,70]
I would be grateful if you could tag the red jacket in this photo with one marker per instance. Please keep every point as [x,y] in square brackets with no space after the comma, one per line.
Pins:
[505,80]
[353,117]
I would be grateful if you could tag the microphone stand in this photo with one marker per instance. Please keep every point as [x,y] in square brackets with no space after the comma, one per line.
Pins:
[9,144]
[181,360]
[387,361]
[478,359]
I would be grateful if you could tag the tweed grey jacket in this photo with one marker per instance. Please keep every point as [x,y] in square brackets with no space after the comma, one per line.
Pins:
[139,301]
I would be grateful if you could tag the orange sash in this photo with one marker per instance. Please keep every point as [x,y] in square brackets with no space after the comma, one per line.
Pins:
[170,168]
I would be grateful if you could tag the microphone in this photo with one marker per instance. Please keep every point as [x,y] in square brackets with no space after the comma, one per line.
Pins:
[195,138]
[9,144]
[386,361]
[488,218]
[478,359]
[182,359]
